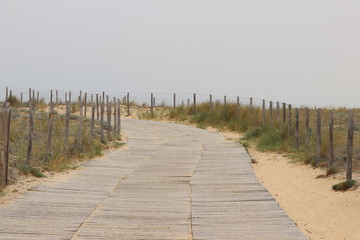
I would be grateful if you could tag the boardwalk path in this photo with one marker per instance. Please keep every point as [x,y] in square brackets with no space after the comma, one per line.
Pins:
[172,182]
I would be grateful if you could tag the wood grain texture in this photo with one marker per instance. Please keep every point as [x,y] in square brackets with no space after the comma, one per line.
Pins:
[171,182]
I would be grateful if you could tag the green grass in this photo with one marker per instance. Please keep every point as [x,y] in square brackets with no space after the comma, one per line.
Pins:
[346,185]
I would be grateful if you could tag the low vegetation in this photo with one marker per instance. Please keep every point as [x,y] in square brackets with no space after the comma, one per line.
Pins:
[60,156]
[273,136]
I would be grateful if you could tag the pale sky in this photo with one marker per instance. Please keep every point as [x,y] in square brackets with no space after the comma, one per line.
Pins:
[301,52]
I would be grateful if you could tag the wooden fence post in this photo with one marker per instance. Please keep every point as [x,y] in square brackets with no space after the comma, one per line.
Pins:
[21,98]
[263,112]
[85,104]
[67,123]
[115,120]
[92,123]
[284,113]
[51,97]
[5,117]
[211,101]
[57,97]
[350,145]
[128,103]
[331,140]
[79,137]
[271,112]
[277,111]
[108,110]
[290,120]
[296,128]
[307,129]
[97,107]
[318,135]
[6,94]
[102,138]
[152,103]
[194,103]
[174,100]
[7,133]
[238,102]
[251,109]
[50,127]
[118,117]
[188,102]
[37,98]
[31,132]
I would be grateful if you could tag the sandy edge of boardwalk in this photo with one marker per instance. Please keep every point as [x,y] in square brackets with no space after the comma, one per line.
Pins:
[320,212]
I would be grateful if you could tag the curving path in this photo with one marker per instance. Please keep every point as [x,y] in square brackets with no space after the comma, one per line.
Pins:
[171,182]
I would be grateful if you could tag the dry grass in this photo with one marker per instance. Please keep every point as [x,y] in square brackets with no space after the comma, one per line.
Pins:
[275,136]
[60,157]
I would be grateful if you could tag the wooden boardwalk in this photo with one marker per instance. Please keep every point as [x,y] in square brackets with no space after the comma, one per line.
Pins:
[171,182]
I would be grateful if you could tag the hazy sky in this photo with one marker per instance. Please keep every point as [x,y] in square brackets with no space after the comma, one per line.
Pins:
[301,52]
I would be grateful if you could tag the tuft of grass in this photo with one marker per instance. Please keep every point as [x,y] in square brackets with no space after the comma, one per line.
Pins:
[346,185]
[332,170]
[37,173]
[273,139]
[27,169]
[254,133]
[2,194]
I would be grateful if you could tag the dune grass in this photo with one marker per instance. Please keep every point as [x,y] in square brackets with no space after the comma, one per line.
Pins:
[60,157]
